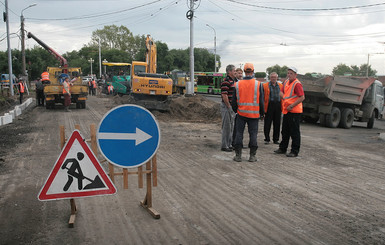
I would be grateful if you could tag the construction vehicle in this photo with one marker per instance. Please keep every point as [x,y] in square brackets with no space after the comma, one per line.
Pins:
[148,88]
[338,101]
[180,80]
[54,91]
[118,74]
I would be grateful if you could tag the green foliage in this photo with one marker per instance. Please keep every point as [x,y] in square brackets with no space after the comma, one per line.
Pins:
[281,71]
[343,69]
[260,74]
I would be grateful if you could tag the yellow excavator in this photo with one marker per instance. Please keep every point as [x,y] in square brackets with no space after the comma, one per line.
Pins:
[148,88]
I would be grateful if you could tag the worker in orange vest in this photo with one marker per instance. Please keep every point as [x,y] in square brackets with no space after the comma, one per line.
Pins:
[94,86]
[67,94]
[110,89]
[273,111]
[45,78]
[292,95]
[21,89]
[248,103]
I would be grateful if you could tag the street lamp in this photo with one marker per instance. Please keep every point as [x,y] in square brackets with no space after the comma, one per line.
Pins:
[23,41]
[215,47]
[105,61]
[91,60]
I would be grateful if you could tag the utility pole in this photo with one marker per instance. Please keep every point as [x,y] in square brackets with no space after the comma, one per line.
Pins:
[190,15]
[100,61]
[9,50]
[23,67]
[91,60]
[215,47]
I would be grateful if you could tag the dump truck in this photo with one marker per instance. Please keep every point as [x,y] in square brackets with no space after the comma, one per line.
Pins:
[54,90]
[337,101]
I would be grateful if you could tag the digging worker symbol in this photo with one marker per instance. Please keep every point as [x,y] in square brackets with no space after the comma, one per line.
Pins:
[75,171]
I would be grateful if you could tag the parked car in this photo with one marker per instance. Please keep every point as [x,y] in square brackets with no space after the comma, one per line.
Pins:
[86,79]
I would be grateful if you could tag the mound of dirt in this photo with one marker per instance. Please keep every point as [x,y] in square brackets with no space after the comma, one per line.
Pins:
[6,104]
[183,109]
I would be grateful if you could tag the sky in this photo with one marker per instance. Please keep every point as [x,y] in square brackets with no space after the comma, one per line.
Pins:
[311,35]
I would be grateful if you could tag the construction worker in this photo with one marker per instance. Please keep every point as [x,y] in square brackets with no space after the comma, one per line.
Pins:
[292,95]
[248,103]
[67,94]
[272,108]
[90,87]
[94,86]
[45,78]
[227,90]
[39,92]
[239,74]
[21,87]
[110,89]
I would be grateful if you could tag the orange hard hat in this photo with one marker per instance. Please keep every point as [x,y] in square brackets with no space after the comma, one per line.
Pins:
[248,67]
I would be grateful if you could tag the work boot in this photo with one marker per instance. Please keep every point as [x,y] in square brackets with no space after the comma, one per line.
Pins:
[238,155]
[67,109]
[253,152]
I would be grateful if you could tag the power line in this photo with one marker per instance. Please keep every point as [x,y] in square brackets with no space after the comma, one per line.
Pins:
[308,9]
[98,15]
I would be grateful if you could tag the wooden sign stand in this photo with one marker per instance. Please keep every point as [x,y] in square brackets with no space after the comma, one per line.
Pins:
[151,175]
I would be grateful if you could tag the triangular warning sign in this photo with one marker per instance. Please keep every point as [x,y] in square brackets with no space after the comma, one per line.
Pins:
[76,173]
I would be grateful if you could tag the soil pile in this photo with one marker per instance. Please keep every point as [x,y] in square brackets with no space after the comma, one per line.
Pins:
[182,108]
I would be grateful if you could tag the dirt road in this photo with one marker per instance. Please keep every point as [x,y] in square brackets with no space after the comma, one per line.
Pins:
[333,193]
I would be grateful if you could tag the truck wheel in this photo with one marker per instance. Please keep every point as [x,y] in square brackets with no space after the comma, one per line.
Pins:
[210,91]
[322,119]
[83,105]
[333,119]
[78,105]
[347,118]
[371,121]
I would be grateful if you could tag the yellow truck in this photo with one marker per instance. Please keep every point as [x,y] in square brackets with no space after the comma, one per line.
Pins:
[54,90]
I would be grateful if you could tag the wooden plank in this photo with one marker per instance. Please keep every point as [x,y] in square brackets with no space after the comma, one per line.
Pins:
[94,145]
[149,186]
[62,136]
[77,126]
[111,172]
[154,172]
[125,178]
[140,177]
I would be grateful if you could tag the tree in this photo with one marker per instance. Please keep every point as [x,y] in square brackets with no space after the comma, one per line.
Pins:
[342,69]
[281,71]
[260,74]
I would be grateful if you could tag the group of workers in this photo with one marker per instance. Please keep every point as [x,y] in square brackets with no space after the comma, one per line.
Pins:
[245,100]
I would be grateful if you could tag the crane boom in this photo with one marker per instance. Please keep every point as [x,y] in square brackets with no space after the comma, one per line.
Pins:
[63,61]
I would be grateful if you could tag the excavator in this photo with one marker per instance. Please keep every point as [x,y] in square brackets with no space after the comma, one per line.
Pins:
[148,88]
[54,91]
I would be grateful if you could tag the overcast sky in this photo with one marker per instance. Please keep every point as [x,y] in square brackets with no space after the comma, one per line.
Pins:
[312,35]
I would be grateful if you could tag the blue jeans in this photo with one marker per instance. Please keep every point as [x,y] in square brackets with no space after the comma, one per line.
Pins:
[252,125]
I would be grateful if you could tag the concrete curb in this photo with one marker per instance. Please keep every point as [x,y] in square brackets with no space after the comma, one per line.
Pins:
[13,114]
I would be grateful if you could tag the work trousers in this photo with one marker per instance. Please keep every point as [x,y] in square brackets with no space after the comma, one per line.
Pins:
[227,125]
[21,97]
[252,125]
[273,115]
[40,97]
[291,129]
[67,100]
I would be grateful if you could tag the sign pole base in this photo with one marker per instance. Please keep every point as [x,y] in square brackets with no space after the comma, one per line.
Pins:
[147,202]
[71,222]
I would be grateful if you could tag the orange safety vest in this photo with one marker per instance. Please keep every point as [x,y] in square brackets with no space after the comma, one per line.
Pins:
[247,92]
[45,76]
[94,83]
[289,97]
[65,84]
[110,88]
[21,87]
[266,91]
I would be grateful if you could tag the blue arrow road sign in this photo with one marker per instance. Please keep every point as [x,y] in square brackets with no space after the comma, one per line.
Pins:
[128,136]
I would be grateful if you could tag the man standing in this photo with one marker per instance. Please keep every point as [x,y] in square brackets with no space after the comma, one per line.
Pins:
[227,90]
[67,94]
[39,93]
[272,108]
[248,103]
[21,89]
[292,96]
[239,74]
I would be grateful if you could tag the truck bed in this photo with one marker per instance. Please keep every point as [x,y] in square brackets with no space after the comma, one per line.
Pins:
[349,90]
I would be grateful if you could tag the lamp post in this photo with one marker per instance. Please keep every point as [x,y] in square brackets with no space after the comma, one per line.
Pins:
[23,68]
[215,47]
[91,60]
[105,61]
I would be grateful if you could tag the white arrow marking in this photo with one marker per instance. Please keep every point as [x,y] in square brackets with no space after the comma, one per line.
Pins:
[139,136]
